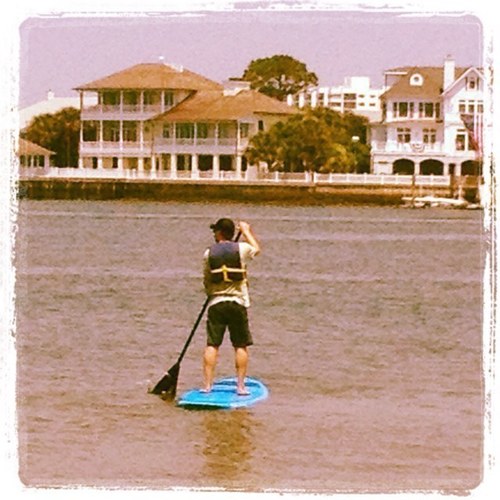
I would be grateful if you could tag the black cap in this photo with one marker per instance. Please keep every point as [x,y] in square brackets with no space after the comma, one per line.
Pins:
[225,226]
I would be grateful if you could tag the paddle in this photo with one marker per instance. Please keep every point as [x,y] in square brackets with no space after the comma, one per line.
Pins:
[167,386]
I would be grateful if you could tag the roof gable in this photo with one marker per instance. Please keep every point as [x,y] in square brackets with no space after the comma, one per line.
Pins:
[152,76]
[462,77]
[431,87]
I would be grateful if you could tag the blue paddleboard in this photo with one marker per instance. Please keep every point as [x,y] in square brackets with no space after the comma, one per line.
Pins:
[224,395]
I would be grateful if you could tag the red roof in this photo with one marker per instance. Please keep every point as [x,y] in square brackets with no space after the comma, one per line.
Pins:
[30,148]
[216,105]
[152,76]
[431,88]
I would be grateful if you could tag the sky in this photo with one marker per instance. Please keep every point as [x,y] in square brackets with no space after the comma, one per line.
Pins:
[59,53]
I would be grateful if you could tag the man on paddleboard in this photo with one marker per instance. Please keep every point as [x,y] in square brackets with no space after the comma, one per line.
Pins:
[225,282]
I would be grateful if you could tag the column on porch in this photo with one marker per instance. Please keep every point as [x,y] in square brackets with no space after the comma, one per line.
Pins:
[216,166]
[101,144]
[80,159]
[173,166]
[238,166]
[195,172]
[417,167]
[314,98]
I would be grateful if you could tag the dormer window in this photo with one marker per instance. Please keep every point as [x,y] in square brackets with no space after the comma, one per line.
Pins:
[471,83]
[416,80]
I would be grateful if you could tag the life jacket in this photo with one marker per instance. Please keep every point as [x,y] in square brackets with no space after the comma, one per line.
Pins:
[225,262]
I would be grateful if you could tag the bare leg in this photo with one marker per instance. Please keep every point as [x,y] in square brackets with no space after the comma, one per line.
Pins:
[209,362]
[241,362]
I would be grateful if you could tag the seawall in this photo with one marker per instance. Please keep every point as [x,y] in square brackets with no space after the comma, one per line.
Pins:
[231,191]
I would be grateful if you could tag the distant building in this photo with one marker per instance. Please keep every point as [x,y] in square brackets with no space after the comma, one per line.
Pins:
[50,105]
[157,116]
[33,155]
[431,121]
[355,96]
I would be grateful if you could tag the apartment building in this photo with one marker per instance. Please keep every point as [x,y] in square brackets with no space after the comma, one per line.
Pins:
[431,121]
[355,95]
[157,116]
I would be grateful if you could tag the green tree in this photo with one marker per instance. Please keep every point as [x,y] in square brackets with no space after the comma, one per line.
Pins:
[317,140]
[59,132]
[278,76]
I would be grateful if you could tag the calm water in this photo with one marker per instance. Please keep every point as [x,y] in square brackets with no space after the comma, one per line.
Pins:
[367,329]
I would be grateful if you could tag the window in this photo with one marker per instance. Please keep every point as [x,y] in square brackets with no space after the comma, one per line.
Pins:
[130,131]
[404,135]
[168,98]
[202,130]
[184,130]
[151,97]
[471,83]
[227,130]
[167,131]
[429,135]
[470,106]
[261,125]
[90,130]
[130,98]
[110,98]
[416,80]
[402,109]
[111,131]
[428,110]
[460,140]
[244,130]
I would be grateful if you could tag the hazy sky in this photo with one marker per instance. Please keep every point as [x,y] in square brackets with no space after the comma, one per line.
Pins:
[61,53]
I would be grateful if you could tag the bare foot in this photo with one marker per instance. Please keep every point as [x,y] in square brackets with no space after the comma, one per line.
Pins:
[243,392]
[206,391]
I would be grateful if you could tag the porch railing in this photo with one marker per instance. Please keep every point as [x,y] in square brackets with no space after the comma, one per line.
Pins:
[222,175]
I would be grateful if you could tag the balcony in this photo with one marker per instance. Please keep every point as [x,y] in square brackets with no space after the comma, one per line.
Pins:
[124,112]
[415,148]
[229,146]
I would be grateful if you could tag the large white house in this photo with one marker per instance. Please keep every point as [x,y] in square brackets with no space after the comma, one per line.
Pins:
[431,121]
[161,117]
[355,95]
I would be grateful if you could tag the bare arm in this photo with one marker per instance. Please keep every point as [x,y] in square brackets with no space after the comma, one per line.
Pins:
[247,233]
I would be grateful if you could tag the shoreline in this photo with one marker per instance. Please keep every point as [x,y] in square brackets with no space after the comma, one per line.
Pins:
[230,191]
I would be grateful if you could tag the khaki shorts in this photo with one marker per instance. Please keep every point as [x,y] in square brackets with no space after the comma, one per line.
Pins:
[228,314]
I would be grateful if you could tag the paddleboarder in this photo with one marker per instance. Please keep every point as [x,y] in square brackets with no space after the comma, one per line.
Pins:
[225,282]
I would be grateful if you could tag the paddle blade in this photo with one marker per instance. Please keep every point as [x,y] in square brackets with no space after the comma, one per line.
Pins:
[167,386]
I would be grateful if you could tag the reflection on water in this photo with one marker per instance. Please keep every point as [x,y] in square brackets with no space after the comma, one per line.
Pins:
[228,445]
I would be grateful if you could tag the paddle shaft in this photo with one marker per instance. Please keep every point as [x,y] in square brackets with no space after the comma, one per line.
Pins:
[195,326]
[198,319]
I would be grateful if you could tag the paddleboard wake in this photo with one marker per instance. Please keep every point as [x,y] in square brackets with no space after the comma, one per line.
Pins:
[224,395]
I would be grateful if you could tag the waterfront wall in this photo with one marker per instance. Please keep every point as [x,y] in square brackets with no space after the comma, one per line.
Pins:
[204,191]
